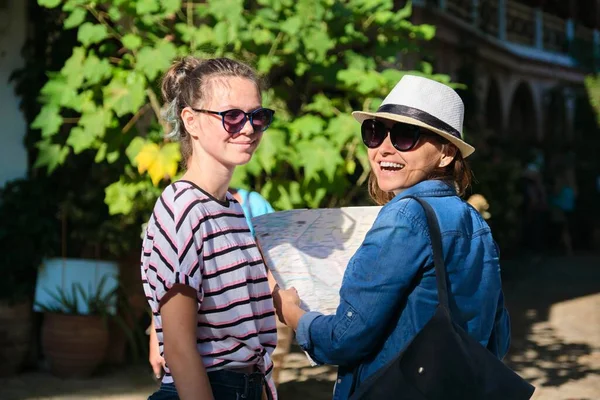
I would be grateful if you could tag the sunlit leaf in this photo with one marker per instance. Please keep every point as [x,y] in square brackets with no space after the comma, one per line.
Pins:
[90,33]
[160,162]
[48,120]
[76,18]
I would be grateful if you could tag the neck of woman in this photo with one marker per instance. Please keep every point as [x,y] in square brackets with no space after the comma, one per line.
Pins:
[214,179]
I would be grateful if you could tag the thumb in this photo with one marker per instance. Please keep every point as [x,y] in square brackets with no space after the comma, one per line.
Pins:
[157,370]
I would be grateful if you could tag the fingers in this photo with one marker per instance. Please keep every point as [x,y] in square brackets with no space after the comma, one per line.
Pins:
[158,365]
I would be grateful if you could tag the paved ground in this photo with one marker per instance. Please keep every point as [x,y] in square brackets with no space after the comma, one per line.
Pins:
[555,311]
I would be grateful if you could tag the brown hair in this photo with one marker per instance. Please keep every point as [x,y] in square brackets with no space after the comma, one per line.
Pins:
[186,83]
[457,172]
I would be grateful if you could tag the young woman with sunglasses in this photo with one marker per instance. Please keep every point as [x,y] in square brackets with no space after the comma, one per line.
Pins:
[415,148]
[202,272]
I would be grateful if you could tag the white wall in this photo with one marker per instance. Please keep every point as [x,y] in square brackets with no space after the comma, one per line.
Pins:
[13,28]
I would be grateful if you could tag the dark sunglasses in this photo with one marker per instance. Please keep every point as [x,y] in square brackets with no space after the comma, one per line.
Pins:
[234,120]
[403,136]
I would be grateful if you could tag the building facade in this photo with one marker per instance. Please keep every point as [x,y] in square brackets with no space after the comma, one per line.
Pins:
[528,59]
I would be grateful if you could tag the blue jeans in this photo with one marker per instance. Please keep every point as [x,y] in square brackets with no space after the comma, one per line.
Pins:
[226,385]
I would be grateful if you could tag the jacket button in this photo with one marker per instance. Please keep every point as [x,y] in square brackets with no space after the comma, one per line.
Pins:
[421,370]
[349,314]
[339,380]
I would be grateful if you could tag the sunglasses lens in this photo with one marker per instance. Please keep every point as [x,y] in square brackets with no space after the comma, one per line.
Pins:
[261,119]
[234,120]
[373,133]
[404,136]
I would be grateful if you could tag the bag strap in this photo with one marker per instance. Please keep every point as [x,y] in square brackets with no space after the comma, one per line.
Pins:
[438,262]
[438,253]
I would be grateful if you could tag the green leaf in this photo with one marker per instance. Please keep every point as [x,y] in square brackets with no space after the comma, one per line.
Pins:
[76,18]
[143,7]
[270,146]
[101,154]
[112,156]
[48,120]
[119,196]
[321,104]
[95,70]
[307,126]
[73,69]
[292,25]
[221,32]
[49,3]
[318,155]
[171,6]
[125,93]
[58,91]
[80,140]
[342,129]
[152,61]
[239,178]
[95,123]
[114,13]
[131,41]
[592,84]
[90,33]
[134,149]
[50,155]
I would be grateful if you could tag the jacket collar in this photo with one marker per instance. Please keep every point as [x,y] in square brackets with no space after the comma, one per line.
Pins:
[429,188]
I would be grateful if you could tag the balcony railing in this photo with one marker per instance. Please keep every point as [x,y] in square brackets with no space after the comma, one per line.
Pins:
[461,9]
[518,23]
[488,17]
[554,33]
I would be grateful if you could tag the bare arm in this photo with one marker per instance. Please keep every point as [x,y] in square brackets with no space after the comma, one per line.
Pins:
[179,320]
[156,360]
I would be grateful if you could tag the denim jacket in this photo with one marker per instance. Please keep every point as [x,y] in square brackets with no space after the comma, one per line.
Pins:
[389,293]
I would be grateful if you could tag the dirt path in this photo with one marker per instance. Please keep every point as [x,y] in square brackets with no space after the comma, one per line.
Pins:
[555,313]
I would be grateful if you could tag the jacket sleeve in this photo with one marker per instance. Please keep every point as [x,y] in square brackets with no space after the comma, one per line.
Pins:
[374,283]
[499,342]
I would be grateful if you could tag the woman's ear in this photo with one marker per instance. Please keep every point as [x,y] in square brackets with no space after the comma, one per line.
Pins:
[190,121]
[448,154]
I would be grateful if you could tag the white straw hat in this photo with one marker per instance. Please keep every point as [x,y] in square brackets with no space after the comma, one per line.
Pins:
[426,103]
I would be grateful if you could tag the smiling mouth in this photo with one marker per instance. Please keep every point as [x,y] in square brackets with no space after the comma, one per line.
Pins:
[243,143]
[390,166]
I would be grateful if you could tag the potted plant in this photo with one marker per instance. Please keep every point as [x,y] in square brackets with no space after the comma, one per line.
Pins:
[75,332]
[91,244]
[25,238]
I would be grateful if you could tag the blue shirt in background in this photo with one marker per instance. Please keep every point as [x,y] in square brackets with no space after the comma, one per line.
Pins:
[253,205]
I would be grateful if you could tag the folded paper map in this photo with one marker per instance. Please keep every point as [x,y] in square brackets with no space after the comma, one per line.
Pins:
[310,249]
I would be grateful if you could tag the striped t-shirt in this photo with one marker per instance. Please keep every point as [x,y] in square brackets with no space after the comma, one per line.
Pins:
[196,240]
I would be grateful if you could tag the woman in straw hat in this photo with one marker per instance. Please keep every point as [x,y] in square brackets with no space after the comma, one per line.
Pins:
[416,148]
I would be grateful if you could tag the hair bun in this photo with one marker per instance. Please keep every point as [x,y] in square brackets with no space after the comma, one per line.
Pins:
[175,76]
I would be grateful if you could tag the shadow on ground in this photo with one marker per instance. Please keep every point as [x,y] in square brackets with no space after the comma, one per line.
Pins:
[539,352]
[555,344]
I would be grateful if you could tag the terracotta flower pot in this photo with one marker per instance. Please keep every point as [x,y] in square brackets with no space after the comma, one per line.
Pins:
[74,345]
[15,336]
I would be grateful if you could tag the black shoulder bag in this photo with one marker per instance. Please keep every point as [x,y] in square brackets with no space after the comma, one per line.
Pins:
[443,361]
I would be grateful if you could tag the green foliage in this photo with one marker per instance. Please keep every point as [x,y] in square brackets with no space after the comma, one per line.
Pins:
[592,84]
[322,59]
